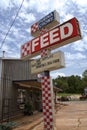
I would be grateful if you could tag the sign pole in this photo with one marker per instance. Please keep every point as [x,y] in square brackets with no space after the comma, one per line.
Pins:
[47,99]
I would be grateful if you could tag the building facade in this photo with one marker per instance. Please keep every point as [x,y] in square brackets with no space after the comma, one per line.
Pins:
[17,86]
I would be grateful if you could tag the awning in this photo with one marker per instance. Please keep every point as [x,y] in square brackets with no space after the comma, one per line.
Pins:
[33,83]
[28,83]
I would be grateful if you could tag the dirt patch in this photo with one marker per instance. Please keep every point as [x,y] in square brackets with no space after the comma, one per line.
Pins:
[71,117]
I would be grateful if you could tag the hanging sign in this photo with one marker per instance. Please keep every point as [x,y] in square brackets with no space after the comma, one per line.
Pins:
[49,21]
[61,35]
[51,62]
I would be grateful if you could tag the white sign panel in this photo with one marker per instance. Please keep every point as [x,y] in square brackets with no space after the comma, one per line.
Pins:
[51,62]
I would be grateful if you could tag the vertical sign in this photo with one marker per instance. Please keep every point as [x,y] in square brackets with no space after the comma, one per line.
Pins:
[54,38]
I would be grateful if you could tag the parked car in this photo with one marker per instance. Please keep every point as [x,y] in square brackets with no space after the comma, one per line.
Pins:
[83,97]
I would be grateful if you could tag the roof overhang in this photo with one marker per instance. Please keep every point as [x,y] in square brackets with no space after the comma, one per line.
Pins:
[33,83]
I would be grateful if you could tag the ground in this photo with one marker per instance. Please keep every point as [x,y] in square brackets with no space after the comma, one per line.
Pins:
[71,116]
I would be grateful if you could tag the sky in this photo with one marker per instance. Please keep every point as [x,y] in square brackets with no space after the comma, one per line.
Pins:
[31,12]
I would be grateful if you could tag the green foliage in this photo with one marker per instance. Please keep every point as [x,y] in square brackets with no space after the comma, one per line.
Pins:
[29,106]
[84,74]
[65,94]
[28,110]
[72,84]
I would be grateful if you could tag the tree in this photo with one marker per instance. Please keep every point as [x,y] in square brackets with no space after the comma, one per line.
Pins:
[72,84]
[84,80]
[65,87]
[84,74]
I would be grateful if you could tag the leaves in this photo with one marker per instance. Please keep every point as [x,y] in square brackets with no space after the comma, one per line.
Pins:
[72,84]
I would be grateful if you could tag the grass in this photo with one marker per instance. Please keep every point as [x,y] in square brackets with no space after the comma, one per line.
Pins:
[66,94]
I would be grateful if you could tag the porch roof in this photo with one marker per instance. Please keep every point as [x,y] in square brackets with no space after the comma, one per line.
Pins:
[32,83]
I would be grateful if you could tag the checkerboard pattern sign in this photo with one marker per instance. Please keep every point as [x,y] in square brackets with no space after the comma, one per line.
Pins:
[26,49]
[49,21]
[45,52]
[34,27]
[48,105]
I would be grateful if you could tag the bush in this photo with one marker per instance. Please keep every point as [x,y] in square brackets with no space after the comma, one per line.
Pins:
[28,109]
[64,98]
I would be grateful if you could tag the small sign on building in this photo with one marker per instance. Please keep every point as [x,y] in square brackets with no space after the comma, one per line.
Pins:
[49,21]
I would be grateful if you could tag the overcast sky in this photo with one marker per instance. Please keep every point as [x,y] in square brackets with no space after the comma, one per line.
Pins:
[31,12]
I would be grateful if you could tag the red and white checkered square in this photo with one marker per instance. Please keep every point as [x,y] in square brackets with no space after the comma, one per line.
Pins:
[45,52]
[47,100]
[34,27]
[26,49]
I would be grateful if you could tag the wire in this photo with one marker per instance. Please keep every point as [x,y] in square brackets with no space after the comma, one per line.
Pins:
[11,25]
